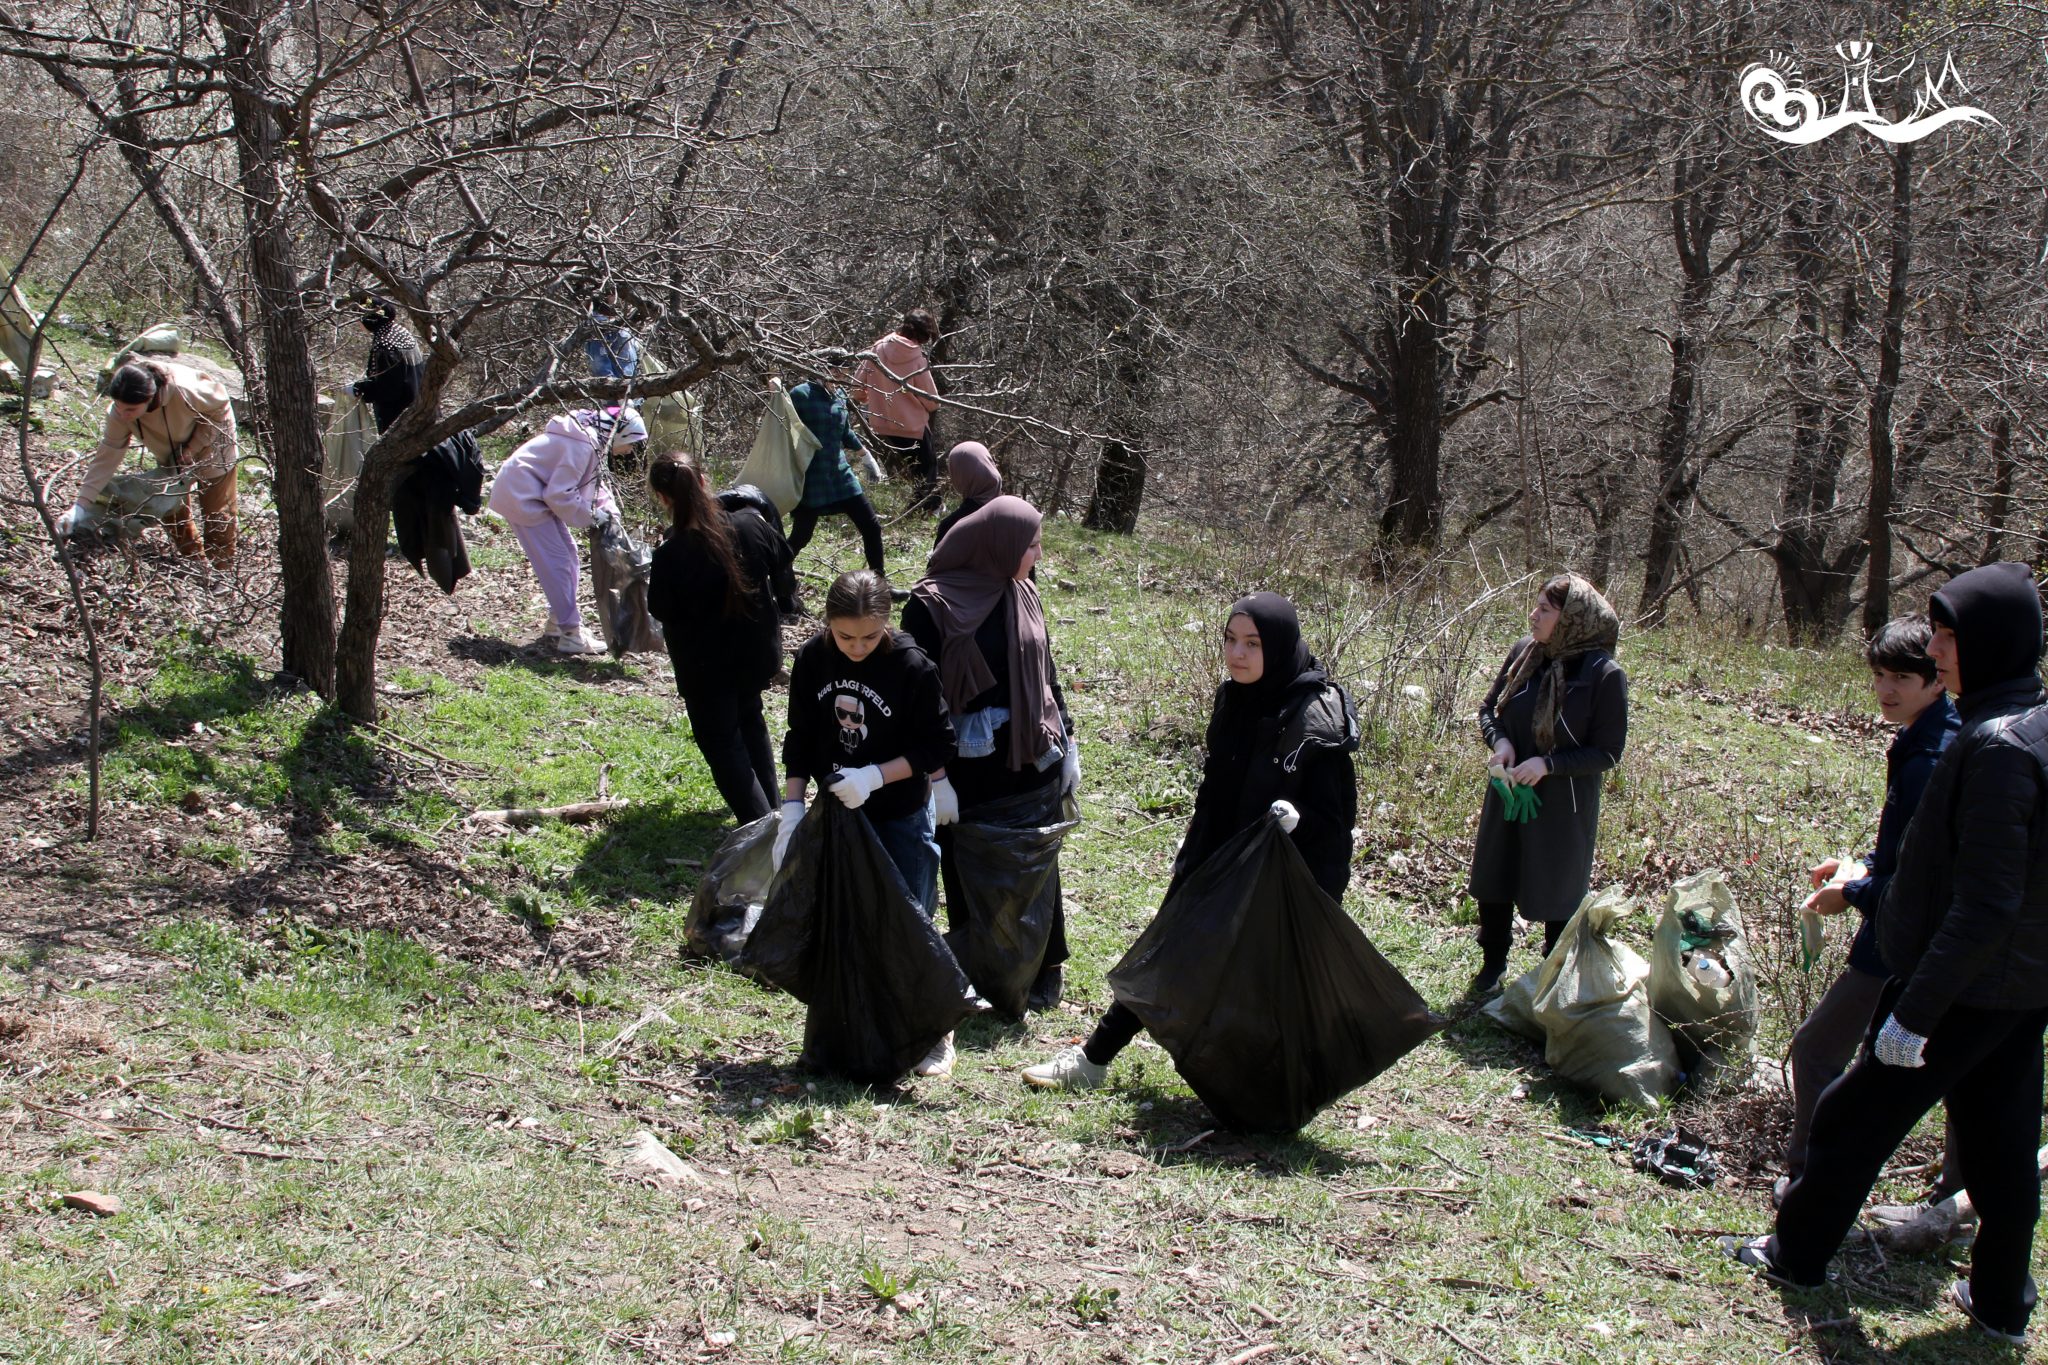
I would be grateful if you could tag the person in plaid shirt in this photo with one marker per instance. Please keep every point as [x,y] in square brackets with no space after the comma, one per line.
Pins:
[830,486]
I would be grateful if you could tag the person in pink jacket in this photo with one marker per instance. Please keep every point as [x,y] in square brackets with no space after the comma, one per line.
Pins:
[894,388]
[552,485]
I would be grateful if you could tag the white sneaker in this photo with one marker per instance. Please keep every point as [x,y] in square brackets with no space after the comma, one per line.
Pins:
[1071,1070]
[579,641]
[937,1062]
[550,628]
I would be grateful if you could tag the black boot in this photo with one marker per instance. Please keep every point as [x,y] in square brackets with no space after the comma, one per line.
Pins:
[1496,936]
[1047,989]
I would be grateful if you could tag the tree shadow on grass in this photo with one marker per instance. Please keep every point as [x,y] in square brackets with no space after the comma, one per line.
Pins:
[653,851]
[495,652]
[1483,1045]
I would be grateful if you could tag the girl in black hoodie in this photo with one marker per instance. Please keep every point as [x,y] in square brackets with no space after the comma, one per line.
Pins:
[1281,735]
[712,589]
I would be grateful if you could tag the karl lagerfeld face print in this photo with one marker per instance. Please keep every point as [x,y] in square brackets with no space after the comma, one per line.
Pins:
[853,721]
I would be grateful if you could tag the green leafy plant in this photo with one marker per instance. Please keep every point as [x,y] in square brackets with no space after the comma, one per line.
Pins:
[883,1283]
[1091,1304]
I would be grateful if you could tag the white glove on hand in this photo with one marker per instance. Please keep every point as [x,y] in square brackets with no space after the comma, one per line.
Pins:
[1286,814]
[853,786]
[1896,1047]
[1070,768]
[67,524]
[945,801]
[792,816]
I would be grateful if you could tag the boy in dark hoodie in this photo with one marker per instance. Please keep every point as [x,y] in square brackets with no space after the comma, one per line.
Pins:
[1963,929]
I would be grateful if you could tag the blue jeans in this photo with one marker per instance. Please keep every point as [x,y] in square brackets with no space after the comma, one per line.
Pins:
[909,843]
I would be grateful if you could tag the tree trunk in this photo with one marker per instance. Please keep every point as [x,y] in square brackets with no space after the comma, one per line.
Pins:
[288,414]
[1877,525]
[2001,490]
[1119,488]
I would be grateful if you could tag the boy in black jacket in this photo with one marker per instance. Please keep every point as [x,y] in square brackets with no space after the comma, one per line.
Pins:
[1964,932]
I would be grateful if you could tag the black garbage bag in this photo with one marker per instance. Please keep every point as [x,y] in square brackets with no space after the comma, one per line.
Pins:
[840,933]
[733,891]
[1270,1000]
[1001,907]
[620,569]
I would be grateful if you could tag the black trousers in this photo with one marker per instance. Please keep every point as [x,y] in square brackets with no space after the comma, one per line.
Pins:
[1987,1065]
[1497,930]
[915,454]
[857,509]
[733,737]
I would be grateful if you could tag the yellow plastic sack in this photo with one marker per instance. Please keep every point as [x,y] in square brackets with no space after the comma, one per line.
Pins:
[782,451]
[1699,943]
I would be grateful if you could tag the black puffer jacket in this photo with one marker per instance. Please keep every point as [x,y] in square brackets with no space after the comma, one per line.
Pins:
[1965,919]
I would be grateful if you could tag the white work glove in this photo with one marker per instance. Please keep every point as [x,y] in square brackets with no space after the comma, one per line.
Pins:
[1070,768]
[853,786]
[1896,1047]
[873,468]
[792,816]
[945,801]
[1286,814]
[67,524]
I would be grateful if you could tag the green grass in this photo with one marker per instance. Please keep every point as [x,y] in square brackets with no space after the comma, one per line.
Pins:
[333,1144]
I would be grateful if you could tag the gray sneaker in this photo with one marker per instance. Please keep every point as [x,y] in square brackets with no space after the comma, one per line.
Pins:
[1071,1070]
[1925,1226]
[1960,1292]
[937,1062]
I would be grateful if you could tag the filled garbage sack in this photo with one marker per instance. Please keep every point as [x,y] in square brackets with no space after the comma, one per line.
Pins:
[840,933]
[1514,1009]
[1702,981]
[732,891]
[131,501]
[1270,1000]
[1592,999]
[1001,907]
[620,568]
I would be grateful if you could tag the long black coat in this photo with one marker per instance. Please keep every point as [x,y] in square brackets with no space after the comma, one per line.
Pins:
[1546,864]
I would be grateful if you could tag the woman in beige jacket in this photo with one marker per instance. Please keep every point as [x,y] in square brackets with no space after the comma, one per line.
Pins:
[184,418]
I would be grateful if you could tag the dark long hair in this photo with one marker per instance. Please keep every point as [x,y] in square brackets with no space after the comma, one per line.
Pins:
[698,514]
[860,595]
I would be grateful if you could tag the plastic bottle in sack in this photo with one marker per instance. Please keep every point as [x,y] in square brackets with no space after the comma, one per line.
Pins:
[1709,970]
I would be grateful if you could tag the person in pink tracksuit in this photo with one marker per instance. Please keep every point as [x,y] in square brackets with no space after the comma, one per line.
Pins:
[554,484]
[894,387]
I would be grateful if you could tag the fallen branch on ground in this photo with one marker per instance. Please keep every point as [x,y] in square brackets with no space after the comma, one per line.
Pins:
[576,813]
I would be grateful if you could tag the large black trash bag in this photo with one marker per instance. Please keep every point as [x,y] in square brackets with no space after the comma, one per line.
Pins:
[733,891]
[1001,907]
[839,932]
[1270,1000]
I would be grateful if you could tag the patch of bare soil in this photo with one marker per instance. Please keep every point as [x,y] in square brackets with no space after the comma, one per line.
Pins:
[83,909]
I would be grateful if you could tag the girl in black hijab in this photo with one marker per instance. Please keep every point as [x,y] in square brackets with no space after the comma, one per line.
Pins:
[1281,735]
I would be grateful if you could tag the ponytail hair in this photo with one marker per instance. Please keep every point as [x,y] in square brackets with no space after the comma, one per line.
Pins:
[860,595]
[698,514]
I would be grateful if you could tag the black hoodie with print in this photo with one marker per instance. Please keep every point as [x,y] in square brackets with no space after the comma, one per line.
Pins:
[845,715]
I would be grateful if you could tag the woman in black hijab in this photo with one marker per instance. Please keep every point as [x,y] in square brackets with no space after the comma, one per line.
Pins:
[1281,735]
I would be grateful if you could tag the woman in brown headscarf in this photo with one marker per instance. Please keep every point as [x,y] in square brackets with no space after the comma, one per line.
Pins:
[1556,719]
[976,611]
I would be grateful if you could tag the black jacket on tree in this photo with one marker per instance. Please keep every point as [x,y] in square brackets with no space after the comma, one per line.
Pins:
[447,476]
[845,715]
[1964,920]
[686,593]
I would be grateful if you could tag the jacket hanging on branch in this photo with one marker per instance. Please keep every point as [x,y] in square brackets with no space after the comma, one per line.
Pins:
[840,933]
[1003,917]
[446,477]
[1271,1001]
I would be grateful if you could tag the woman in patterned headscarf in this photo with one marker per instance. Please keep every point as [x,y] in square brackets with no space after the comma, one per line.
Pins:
[1555,719]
